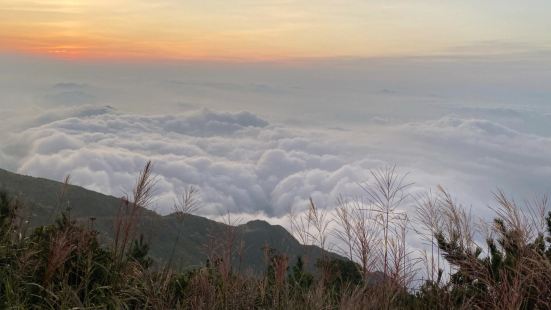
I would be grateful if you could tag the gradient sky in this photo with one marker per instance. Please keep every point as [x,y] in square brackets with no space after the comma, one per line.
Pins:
[272,29]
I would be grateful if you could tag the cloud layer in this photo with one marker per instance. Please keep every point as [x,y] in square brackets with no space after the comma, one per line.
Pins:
[239,161]
[246,165]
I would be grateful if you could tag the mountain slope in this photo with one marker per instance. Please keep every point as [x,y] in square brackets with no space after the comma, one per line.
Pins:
[185,242]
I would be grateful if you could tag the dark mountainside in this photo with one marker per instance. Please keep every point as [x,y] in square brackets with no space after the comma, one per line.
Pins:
[186,240]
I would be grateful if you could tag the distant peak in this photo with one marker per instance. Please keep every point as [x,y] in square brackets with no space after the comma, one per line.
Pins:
[258,223]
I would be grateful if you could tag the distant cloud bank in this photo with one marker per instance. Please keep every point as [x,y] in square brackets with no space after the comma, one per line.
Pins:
[246,165]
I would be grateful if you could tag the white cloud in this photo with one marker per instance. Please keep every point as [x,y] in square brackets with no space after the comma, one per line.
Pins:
[239,161]
[246,165]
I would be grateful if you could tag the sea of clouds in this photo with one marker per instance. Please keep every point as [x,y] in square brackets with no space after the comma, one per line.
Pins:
[258,140]
[245,164]
[240,162]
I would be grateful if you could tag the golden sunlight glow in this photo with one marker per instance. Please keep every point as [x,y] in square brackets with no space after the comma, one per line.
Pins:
[242,29]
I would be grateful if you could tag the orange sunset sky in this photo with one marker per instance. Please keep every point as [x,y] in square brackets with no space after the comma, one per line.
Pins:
[272,29]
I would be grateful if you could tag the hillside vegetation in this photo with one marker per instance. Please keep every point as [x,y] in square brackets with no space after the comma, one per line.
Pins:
[65,247]
[172,237]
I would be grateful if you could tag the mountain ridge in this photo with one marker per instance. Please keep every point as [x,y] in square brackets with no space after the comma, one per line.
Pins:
[184,241]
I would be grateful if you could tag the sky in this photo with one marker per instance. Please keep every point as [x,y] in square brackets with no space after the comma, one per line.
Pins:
[263,104]
[271,29]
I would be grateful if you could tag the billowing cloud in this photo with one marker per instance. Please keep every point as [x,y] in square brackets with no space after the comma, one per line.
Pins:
[246,165]
[239,161]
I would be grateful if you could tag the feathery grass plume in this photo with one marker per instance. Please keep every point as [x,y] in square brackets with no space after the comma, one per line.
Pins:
[300,229]
[311,227]
[358,230]
[344,233]
[63,205]
[229,242]
[129,213]
[60,249]
[386,194]
[429,218]
[319,222]
[188,204]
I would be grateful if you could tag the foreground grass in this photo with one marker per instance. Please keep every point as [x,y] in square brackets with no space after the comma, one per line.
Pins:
[62,266]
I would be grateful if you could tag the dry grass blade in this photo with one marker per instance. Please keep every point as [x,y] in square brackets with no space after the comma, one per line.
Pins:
[129,212]
[188,204]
